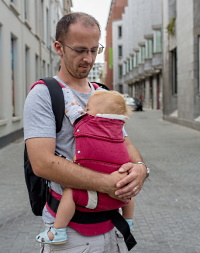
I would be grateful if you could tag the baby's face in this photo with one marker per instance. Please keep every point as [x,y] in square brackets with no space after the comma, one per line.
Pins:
[91,107]
[95,105]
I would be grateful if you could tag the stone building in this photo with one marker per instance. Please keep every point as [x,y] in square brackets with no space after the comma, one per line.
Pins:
[137,52]
[27,32]
[156,57]
[96,73]
[181,62]
[115,13]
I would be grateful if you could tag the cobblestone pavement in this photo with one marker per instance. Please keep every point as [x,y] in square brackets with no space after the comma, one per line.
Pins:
[167,210]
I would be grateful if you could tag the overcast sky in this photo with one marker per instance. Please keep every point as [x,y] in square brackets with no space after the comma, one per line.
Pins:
[100,10]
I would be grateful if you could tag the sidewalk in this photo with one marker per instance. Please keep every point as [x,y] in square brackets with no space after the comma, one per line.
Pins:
[167,210]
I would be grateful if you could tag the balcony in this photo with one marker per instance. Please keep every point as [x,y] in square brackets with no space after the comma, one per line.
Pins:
[157,60]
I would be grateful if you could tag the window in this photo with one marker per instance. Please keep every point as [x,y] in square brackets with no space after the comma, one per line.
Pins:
[143,54]
[27,68]
[47,28]
[127,66]
[132,61]
[119,31]
[149,48]
[120,53]
[120,88]
[37,67]
[13,42]
[43,68]
[48,70]
[174,71]
[158,41]
[26,9]
[137,59]
[120,71]
[130,64]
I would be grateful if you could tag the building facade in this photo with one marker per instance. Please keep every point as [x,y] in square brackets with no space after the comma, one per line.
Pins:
[27,32]
[181,62]
[137,52]
[116,10]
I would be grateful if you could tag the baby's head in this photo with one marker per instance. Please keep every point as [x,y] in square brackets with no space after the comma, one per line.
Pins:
[107,102]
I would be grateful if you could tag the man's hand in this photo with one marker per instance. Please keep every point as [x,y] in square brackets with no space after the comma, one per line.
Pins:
[132,183]
[114,178]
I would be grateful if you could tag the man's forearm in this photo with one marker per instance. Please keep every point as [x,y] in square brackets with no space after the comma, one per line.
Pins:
[54,168]
[134,154]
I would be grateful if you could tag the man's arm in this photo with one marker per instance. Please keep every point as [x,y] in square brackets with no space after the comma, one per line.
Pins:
[137,173]
[54,168]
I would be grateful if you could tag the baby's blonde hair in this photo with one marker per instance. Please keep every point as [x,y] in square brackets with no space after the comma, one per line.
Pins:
[113,102]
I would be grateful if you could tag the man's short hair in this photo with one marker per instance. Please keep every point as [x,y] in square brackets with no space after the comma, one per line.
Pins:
[62,28]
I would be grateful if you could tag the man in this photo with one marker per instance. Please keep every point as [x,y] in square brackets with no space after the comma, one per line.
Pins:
[77,44]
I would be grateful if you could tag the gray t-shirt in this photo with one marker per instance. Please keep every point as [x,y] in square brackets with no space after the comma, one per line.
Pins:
[39,121]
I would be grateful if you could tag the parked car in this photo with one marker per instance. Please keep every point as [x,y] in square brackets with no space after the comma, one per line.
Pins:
[138,104]
[134,103]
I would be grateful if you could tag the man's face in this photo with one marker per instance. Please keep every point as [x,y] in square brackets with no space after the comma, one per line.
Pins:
[80,37]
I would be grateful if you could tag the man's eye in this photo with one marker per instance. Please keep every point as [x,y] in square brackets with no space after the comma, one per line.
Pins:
[80,51]
[94,50]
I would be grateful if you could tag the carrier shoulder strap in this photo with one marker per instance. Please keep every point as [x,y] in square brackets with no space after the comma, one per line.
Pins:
[57,100]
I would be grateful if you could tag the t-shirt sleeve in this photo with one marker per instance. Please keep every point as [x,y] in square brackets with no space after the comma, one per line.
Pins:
[38,118]
[124,132]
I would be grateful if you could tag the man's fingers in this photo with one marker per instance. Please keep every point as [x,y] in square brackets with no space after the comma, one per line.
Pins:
[125,167]
[128,195]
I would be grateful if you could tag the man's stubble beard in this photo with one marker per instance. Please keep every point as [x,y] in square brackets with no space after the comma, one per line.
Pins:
[75,73]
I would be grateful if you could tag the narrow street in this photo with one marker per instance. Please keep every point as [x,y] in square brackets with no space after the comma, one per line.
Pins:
[167,210]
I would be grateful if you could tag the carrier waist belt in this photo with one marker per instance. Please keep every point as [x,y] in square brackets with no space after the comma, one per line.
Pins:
[98,217]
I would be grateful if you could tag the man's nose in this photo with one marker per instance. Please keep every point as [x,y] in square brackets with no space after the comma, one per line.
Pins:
[88,56]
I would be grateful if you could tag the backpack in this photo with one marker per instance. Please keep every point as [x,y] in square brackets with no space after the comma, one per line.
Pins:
[38,189]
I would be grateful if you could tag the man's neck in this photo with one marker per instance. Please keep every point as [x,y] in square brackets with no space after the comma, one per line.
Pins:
[80,85]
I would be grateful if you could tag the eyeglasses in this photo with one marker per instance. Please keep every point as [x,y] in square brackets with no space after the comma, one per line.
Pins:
[95,50]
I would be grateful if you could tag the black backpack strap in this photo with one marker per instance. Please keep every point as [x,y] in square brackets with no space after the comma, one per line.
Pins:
[57,100]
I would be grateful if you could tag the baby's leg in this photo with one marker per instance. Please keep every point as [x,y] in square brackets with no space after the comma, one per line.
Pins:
[128,212]
[65,212]
[66,209]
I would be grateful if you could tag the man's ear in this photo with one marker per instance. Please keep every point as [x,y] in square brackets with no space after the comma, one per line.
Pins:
[58,47]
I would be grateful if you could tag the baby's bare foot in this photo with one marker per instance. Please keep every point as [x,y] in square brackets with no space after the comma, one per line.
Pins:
[50,235]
